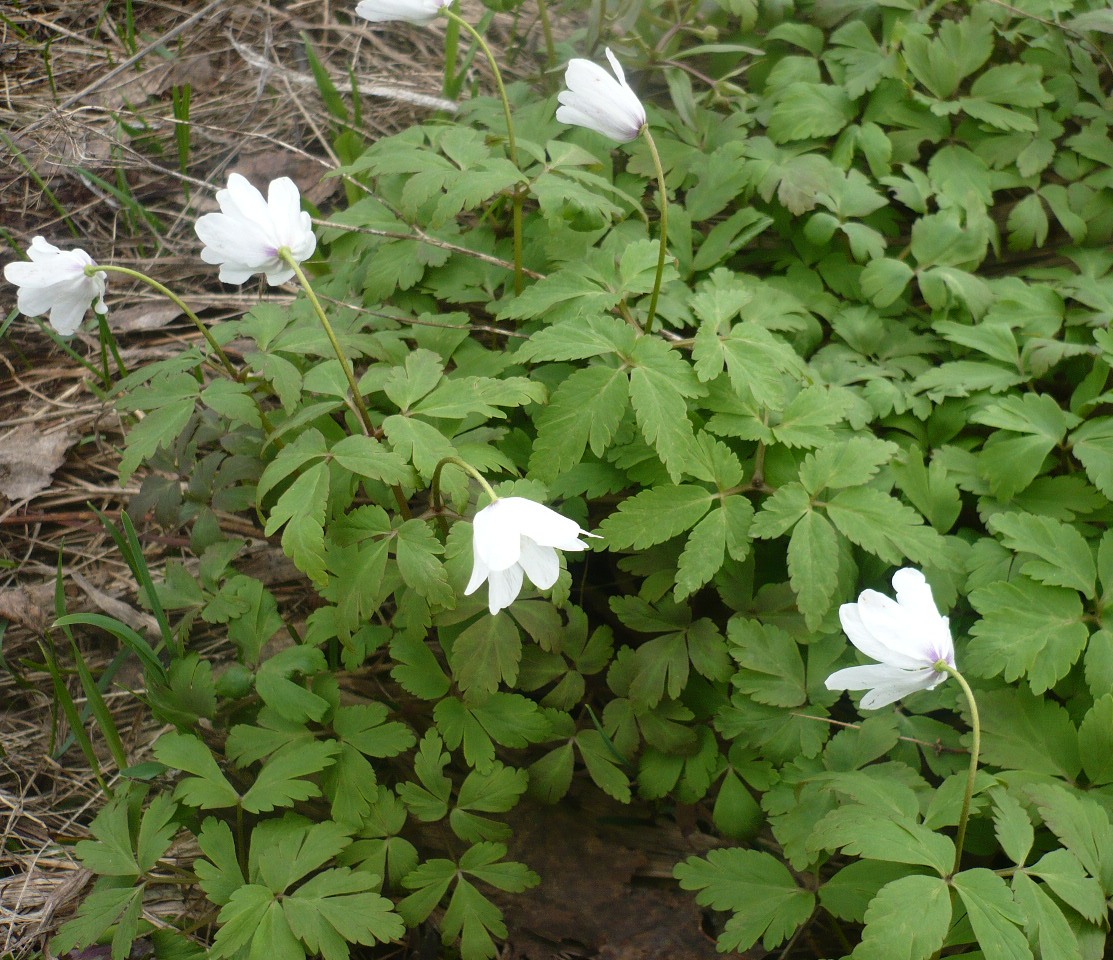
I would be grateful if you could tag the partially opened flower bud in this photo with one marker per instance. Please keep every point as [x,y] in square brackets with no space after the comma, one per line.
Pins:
[54,281]
[409,11]
[245,237]
[596,100]
[515,536]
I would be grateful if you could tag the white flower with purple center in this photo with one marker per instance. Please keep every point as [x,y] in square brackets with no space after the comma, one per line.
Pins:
[247,234]
[907,636]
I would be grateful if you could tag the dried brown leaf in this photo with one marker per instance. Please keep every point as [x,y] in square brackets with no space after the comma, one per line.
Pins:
[28,459]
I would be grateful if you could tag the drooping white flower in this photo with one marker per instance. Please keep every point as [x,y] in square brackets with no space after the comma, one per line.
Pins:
[907,637]
[411,11]
[54,281]
[596,100]
[515,536]
[245,237]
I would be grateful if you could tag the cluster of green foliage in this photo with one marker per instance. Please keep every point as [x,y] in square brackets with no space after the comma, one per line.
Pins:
[883,340]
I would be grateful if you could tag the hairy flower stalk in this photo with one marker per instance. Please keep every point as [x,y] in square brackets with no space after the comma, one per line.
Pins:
[912,643]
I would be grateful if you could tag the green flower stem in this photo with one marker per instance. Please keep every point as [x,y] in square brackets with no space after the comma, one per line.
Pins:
[357,398]
[664,237]
[547,31]
[180,304]
[467,468]
[518,198]
[975,750]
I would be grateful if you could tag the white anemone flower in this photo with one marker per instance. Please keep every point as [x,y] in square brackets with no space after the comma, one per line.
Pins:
[54,281]
[907,636]
[245,237]
[596,100]
[410,11]
[515,536]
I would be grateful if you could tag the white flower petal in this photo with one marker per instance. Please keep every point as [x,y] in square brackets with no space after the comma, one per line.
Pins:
[885,684]
[540,564]
[871,644]
[515,536]
[409,11]
[503,588]
[596,100]
[54,282]
[479,573]
[908,636]
[69,310]
[247,234]
[542,525]
[496,535]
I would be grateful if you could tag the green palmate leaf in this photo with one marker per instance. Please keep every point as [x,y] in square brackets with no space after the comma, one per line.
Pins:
[1092,445]
[907,920]
[848,894]
[807,110]
[565,294]
[487,654]
[721,532]
[208,788]
[1024,732]
[858,830]
[1012,826]
[1083,827]
[660,385]
[339,907]
[114,851]
[779,512]
[993,914]
[661,665]
[772,670]
[113,901]
[1046,926]
[508,719]
[287,697]
[602,762]
[655,515]
[1065,559]
[417,550]
[584,410]
[301,512]
[306,448]
[1095,741]
[765,900]
[220,876]
[1062,872]
[367,457]
[807,419]
[1026,630]
[281,782]
[755,360]
[848,464]
[885,527]
[813,566]
[593,336]
[418,443]
[884,280]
